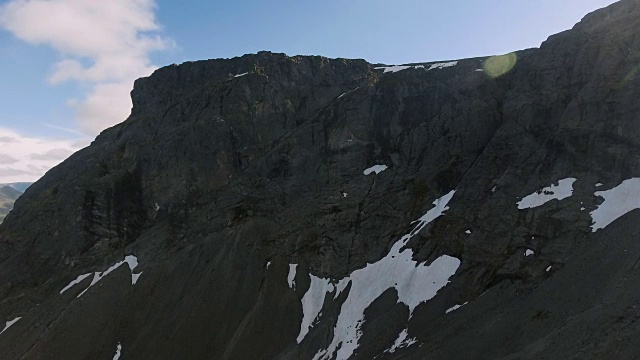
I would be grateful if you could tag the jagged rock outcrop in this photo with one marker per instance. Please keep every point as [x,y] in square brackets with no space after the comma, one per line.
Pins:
[229,217]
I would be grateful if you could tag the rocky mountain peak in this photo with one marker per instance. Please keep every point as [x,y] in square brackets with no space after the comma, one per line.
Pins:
[277,207]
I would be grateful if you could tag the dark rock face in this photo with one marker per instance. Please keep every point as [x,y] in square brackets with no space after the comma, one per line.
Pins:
[222,183]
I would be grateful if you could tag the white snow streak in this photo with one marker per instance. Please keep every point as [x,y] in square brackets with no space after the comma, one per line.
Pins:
[548,269]
[291,279]
[135,277]
[414,282]
[392,69]
[118,350]
[401,342]
[130,260]
[563,190]
[239,75]
[442,65]
[617,202]
[396,68]
[78,280]
[529,252]
[375,168]
[9,324]
[455,307]
[312,303]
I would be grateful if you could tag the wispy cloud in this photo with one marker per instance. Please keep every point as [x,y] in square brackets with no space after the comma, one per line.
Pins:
[31,157]
[53,154]
[11,172]
[7,139]
[104,45]
[6,159]
[64,129]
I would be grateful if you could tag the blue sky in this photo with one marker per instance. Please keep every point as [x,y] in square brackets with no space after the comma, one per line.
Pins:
[65,77]
[379,31]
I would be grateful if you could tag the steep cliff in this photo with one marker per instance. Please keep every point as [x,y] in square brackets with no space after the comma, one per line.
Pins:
[276,207]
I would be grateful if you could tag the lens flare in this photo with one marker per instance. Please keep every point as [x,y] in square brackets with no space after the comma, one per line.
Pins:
[632,75]
[496,66]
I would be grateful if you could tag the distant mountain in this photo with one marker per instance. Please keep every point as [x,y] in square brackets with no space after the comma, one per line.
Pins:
[8,195]
[20,186]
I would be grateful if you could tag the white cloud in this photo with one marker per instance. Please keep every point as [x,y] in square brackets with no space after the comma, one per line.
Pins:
[6,159]
[34,156]
[6,139]
[102,44]
[53,154]
[102,105]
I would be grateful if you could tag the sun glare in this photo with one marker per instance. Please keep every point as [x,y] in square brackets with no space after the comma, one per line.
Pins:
[496,66]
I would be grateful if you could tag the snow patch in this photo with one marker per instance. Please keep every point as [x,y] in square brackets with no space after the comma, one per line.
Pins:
[598,184]
[468,232]
[396,68]
[414,282]
[118,350]
[563,190]
[130,260]
[9,324]
[312,302]
[617,202]
[268,264]
[291,279]
[239,75]
[341,95]
[529,252]
[455,307]
[77,281]
[340,288]
[344,194]
[375,168]
[393,69]
[548,269]
[442,65]
[480,70]
[403,341]
[135,277]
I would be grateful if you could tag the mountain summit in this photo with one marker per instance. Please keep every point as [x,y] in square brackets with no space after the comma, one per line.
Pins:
[277,207]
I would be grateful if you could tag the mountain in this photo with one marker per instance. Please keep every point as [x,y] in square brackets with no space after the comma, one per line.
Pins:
[8,196]
[20,186]
[277,207]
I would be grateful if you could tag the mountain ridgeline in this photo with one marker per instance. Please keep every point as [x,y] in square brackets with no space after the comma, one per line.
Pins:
[300,207]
